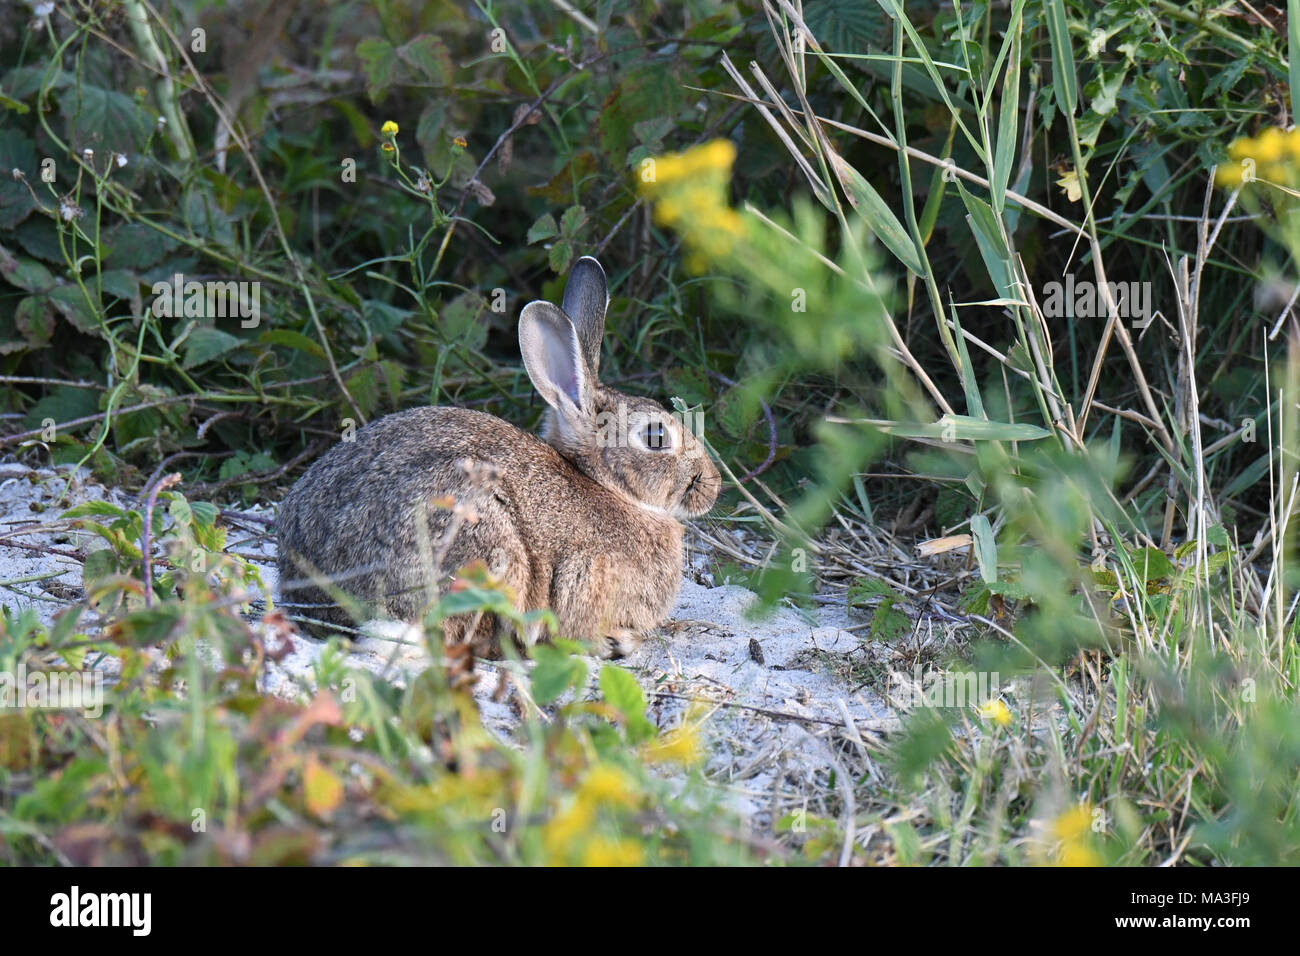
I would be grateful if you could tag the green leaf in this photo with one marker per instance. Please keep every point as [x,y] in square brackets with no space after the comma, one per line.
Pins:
[243,463]
[556,670]
[1008,117]
[965,428]
[35,320]
[645,92]
[94,508]
[847,26]
[880,219]
[1293,49]
[622,692]
[181,511]
[63,404]
[1064,80]
[294,340]
[205,344]
[121,283]
[133,245]
[205,512]
[380,64]
[1152,564]
[24,81]
[364,388]
[382,318]
[926,737]
[986,548]
[16,202]
[27,274]
[433,137]
[887,622]
[429,57]
[1011,590]
[72,305]
[103,120]
[650,133]
[561,255]
[543,228]
[460,320]
[203,213]
[984,225]
[864,590]
[574,218]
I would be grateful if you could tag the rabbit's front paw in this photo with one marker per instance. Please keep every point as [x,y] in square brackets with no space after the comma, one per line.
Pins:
[620,642]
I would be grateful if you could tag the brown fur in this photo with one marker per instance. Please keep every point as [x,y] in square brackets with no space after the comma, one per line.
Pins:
[584,527]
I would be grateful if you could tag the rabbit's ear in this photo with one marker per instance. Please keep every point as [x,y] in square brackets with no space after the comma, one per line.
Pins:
[586,296]
[554,360]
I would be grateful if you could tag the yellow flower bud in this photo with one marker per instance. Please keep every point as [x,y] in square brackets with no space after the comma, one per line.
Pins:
[996,711]
[1073,823]
[1271,145]
[1241,148]
[1228,176]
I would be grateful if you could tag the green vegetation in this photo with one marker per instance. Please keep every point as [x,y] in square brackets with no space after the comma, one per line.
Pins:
[836,231]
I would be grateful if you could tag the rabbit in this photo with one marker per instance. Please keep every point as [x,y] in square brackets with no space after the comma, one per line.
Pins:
[584,521]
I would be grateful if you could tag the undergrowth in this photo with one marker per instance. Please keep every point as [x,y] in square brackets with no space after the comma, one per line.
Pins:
[836,227]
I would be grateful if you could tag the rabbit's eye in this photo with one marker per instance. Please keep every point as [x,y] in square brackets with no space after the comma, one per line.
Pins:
[656,438]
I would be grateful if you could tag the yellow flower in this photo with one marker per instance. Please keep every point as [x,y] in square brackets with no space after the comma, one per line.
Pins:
[697,264]
[606,785]
[719,154]
[1229,176]
[728,220]
[715,156]
[1073,823]
[712,243]
[1270,146]
[667,169]
[566,828]
[386,147]
[1078,854]
[606,852]
[1270,157]
[460,141]
[1069,181]
[689,190]
[667,211]
[1241,148]
[995,711]
[699,198]
[1072,829]
[681,746]
[389,128]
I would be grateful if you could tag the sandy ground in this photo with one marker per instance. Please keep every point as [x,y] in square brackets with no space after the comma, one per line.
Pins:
[782,709]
